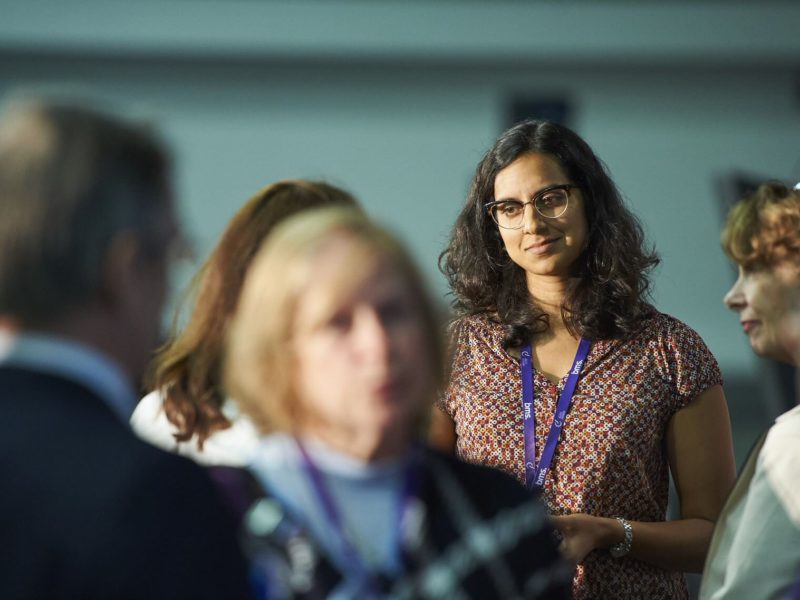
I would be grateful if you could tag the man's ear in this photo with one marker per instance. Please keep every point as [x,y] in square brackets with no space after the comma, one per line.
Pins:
[119,271]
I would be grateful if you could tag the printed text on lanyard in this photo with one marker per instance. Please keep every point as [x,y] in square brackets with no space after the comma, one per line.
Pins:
[535,475]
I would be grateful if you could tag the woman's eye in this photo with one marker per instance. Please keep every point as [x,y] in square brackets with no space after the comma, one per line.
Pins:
[510,208]
[548,200]
[340,321]
[555,199]
[394,312]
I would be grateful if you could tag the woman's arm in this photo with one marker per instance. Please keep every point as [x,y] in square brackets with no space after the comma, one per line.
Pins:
[442,431]
[700,454]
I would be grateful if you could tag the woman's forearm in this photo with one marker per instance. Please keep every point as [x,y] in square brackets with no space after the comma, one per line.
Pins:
[679,545]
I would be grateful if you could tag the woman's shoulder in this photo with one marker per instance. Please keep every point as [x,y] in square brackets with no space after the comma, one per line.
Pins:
[783,439]
[478,325]
[678,353]
[481,320]
[149,406]
[473,342]
[656,325]
[232,446]
[780,460]
[654,320]
[149,421]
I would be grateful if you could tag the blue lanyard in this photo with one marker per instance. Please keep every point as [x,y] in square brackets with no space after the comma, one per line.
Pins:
[535,475]
[353,560]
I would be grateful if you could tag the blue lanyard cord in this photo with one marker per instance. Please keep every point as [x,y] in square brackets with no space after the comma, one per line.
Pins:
[535,475]
[352,558]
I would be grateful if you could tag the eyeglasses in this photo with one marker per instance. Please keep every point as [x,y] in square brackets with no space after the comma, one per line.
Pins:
[551,203]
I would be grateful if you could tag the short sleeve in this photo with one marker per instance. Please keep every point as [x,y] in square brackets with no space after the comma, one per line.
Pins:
[686,362]
[458,362]
[780,460]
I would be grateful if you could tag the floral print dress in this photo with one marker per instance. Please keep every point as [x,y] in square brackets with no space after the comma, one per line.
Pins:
[611,459]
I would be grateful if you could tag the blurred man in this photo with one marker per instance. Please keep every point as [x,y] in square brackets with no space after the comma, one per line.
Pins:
[86,509]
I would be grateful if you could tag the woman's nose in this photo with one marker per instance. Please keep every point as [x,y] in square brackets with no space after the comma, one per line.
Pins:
[735,299]
[372,337]
[532,221]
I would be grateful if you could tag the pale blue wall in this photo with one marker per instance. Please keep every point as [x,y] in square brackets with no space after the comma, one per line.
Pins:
[397,101]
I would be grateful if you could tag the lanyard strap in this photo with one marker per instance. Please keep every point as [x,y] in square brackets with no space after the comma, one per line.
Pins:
[350,554]
[535,475]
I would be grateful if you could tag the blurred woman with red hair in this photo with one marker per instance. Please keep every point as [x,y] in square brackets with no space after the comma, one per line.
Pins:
[755,551]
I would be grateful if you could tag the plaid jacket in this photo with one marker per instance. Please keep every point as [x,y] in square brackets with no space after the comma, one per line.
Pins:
[477,534]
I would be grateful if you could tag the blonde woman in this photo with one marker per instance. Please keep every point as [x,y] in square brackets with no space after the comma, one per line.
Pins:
[334,353]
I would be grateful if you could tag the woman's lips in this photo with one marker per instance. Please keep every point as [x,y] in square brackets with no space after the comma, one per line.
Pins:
[389,387]
[749,325]
[542,246]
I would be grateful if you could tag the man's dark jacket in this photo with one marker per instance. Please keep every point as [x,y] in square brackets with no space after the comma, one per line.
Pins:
[87,510]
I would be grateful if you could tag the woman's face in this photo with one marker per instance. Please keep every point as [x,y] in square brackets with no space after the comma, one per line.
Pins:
[362,365]
[542,246]
[768,303]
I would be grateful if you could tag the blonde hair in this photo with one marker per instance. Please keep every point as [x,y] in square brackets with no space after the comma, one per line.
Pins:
[258,367]
[763,229]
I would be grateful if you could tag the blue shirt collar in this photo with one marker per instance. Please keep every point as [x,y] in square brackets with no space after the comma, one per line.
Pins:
[71,360]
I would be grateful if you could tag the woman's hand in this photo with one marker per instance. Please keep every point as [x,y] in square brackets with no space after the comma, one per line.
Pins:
[701,460]
[582,533]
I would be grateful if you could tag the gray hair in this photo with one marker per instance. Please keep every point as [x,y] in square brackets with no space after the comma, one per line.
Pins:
[71,178]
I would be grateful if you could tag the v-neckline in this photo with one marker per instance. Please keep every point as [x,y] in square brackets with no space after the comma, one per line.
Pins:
[540,378]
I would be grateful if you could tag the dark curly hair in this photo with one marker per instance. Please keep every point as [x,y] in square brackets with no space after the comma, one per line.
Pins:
[607,296]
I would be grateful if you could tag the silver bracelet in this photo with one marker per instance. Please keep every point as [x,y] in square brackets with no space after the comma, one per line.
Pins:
[622,548]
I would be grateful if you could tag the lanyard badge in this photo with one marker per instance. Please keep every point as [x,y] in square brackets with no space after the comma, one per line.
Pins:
[535,475]
[355,566]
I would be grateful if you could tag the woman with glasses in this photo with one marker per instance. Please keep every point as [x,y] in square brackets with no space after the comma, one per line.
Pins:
[756,547]
[565,376]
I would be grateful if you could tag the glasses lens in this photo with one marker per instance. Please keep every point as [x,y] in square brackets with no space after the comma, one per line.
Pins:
[552,203]
[508,214]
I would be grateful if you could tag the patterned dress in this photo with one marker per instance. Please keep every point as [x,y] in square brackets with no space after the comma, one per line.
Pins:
[611,459]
